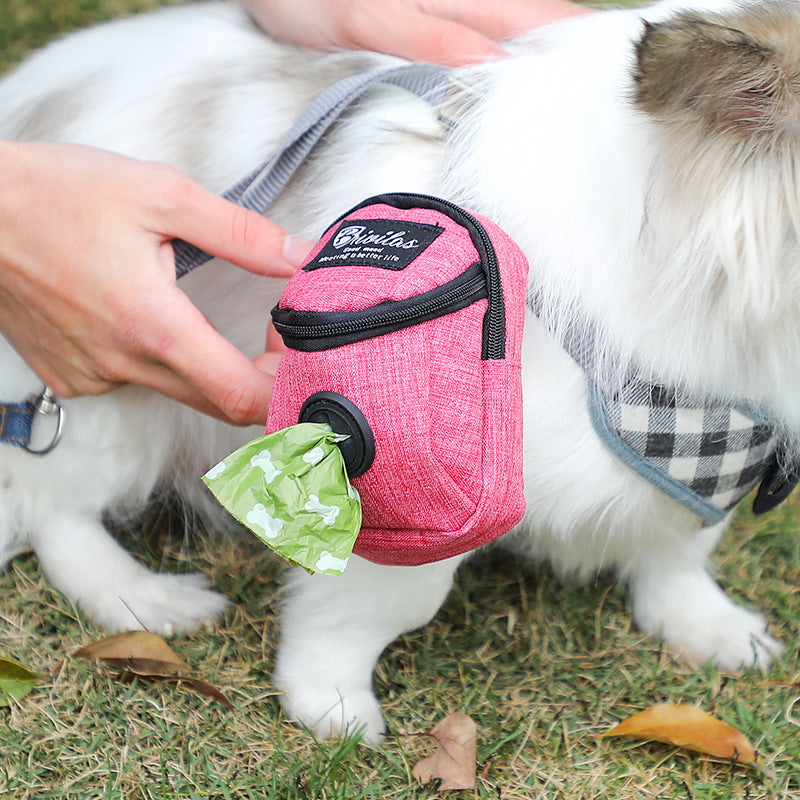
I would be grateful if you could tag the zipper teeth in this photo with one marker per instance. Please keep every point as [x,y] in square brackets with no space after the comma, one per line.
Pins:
[494,333]
[495,342]
[474,286]
[495,336]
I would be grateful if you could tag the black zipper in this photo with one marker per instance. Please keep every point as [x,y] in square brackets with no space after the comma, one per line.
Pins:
[332,328]
[323,330]
[494,324]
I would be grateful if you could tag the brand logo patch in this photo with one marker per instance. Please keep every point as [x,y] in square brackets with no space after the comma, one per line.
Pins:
[384,243]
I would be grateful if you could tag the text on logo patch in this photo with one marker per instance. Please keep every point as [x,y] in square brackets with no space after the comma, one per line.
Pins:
[384,243]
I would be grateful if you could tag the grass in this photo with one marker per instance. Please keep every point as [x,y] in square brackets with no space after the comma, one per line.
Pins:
[26,24]
[542,668]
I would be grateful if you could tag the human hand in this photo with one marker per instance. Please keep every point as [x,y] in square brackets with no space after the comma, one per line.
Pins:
[449,32]
[88,295]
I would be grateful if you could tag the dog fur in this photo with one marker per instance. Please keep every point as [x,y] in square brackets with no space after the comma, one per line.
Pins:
[645,160]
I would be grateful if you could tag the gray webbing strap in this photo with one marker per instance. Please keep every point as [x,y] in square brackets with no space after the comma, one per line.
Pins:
[259,190]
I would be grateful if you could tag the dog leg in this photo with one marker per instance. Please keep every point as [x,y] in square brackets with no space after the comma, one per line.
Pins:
[676,599]
[335,628]
[11,543]
[83,561]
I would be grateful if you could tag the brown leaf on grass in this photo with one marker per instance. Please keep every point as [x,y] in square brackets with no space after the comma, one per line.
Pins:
[147,656]
[690,728]
[152,670]
[454,759]
[133,645]
[158,671]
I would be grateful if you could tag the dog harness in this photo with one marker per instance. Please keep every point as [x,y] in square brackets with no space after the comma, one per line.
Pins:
[705,454]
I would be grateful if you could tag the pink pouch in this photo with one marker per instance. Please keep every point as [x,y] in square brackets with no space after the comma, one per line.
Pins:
[405,329]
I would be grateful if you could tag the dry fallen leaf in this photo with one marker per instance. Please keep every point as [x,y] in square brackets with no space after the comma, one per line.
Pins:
[690,728]
[133,644]
[454,759]
[147,656]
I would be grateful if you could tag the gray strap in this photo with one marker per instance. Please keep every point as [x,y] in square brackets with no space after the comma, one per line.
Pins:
[259,190]
[581,340]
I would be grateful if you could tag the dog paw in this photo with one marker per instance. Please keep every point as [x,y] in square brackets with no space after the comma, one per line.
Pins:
[701,624]
[735,640]
[332,714]
[159,603]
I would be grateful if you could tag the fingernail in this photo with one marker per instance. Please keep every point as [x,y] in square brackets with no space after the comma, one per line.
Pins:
[296,250]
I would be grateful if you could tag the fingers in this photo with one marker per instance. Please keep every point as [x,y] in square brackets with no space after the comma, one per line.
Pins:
[274,343]
[174,350]
[243,401]
[238,391]
[268,362]
[90,301]
[449,32]
[192,363]
[502,20]
[188,362]
[226,230]
[417,36]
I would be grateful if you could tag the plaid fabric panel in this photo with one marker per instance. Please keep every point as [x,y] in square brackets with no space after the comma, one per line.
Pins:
[713,449]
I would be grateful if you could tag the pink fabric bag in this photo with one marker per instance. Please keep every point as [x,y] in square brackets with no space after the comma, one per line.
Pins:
[404,329]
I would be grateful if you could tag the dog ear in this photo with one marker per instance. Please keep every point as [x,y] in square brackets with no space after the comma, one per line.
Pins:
[737,73]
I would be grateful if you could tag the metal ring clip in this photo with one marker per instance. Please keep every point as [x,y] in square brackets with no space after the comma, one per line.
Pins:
[48,405]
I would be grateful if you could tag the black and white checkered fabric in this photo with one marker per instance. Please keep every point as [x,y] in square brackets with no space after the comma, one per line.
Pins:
[706,454]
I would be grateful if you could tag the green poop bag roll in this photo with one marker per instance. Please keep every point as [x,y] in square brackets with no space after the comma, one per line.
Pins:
[290,488]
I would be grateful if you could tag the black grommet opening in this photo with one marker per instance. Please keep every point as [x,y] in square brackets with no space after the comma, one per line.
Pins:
[345,417]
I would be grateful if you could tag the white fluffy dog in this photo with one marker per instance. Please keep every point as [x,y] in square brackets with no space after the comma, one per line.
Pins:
[647,163]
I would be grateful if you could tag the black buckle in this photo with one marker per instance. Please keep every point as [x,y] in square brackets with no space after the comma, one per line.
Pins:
[777,484]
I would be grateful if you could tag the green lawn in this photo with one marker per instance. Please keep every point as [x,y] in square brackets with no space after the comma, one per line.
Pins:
[542,668]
